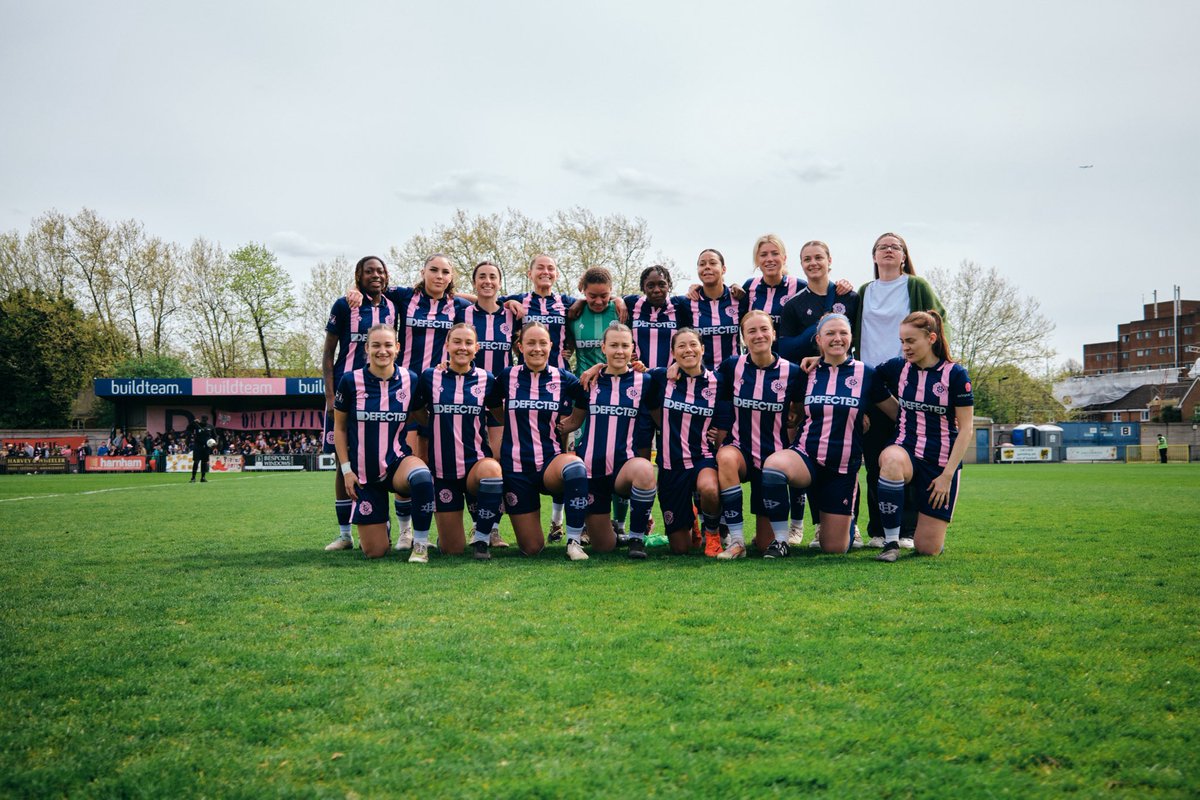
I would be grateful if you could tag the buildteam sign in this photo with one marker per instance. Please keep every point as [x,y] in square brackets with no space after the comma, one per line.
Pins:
[207,387]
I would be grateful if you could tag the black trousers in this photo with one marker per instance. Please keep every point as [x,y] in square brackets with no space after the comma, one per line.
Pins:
[200,459]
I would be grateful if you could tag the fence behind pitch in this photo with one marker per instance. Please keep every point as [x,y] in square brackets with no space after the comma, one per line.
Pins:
[1149,452]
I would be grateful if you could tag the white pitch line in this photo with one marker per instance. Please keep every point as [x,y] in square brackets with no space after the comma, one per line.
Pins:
[114,489]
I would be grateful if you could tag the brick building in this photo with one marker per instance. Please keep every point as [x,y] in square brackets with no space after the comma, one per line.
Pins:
[1149,343]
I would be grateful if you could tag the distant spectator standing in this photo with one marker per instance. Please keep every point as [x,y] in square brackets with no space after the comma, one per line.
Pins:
[202,432]
[1162,449]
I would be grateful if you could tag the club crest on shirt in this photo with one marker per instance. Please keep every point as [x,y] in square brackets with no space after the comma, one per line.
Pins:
[634,393]
[401,395]
[505,328]
[839,308]
[551,387]
[365,507]
[731,312]
[851,382]
[776,386]
[445,495]
[939,388]
[709,394]
[479,390]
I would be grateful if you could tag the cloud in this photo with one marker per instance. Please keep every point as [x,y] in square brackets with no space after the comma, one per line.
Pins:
[297,245]
[639,185]
[816,170]
[582,165]
[463,187]
[623,181]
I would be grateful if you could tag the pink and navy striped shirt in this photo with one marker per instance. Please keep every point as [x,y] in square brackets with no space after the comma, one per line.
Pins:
[551,311]
[690,406]
[771,299]
[927,427]
[533,404]
[378,412]
[494,331]
[457,419]
[618,422]
[835,403]
[653,327]
[719,324]
[761,397]
[422,326]
[350,325]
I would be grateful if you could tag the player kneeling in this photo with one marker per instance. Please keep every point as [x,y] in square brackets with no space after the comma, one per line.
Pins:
[936,405]
[454,399]
[827,452]
[371,408]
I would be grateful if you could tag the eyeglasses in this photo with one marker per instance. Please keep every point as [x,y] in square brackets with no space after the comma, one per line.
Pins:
[895,247]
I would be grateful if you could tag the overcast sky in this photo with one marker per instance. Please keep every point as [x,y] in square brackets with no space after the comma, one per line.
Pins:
[325,129]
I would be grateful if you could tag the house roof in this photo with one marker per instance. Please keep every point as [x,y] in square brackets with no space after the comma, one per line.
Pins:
[1142,397]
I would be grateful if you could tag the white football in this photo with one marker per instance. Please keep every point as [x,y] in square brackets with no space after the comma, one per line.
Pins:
[212,442]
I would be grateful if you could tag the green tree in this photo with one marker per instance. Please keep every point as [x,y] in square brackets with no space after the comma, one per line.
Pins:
[1010,396]
[265,291]
[991,324]
[49,350]
[152,367]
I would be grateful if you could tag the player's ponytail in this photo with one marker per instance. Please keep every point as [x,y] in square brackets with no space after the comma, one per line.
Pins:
[931,322]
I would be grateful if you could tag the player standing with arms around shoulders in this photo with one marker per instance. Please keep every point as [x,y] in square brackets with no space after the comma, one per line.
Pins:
[346,351]
[936,406]
[371,409]
[654,317]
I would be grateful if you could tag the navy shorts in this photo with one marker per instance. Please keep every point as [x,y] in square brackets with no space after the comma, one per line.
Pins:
[600,491]
[523,492]
[675,490]
[924,474]
[831,491]
[371,508]
[450,493]
[327,434]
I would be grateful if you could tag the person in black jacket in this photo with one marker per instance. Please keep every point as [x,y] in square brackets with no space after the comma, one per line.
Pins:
[202,433]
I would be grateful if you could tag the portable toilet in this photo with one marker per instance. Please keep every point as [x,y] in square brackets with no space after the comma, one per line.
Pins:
[1051,436]
[1025,435]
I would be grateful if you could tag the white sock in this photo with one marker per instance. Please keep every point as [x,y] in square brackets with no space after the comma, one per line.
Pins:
[344,532]
[891,535]
[556,513]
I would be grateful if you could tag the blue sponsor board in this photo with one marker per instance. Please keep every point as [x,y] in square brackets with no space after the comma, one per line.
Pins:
[306,386]
[208,387]
[143,387]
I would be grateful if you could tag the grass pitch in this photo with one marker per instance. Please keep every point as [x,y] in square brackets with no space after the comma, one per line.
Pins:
[163,639]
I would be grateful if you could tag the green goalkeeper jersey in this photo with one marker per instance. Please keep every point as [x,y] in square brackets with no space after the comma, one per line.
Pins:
[588,333]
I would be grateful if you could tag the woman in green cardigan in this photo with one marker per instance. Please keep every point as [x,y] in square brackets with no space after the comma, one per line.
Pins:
[883,303]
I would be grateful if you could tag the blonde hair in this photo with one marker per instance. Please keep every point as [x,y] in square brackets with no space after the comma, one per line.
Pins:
[773,239]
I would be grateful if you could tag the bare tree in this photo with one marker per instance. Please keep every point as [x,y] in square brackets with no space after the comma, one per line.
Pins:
[216,329]
[327,281]
[576,237]
[264,289]
[990,323]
